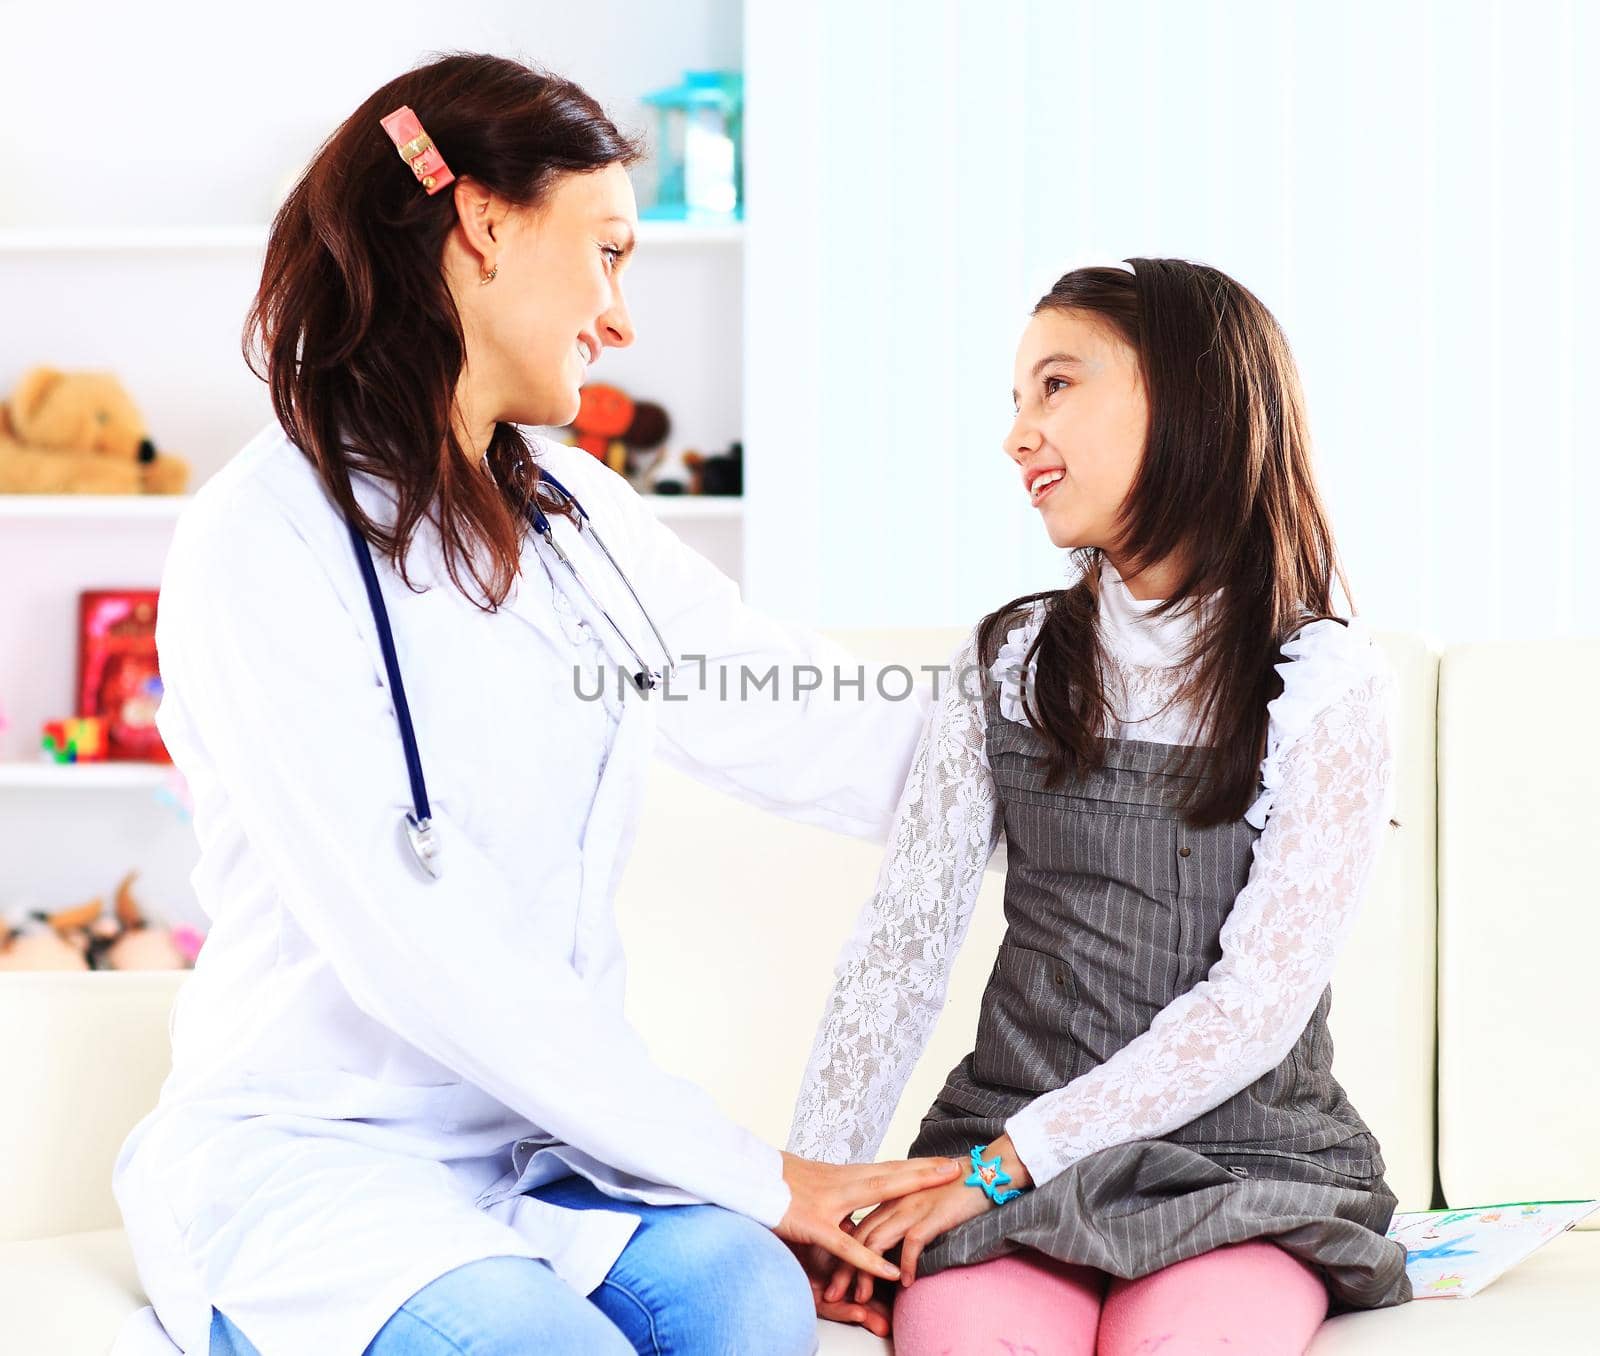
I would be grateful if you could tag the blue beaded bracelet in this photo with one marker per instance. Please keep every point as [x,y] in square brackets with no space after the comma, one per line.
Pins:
[990,1176]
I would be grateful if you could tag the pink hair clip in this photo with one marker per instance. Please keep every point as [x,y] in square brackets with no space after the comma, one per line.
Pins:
[417,149]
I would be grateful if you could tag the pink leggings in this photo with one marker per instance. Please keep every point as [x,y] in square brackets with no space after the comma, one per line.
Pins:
[1246,1299]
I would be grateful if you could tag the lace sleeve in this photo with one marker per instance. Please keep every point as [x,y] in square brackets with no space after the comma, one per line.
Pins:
[891,977]
[1309,872]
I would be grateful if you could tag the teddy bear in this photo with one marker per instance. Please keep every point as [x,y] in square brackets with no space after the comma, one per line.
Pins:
[80,433]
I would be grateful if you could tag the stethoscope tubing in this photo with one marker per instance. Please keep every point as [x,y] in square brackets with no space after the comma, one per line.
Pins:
[418,822]
[391,662]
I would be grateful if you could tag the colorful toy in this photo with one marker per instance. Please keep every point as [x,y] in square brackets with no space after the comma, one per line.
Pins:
[80,433]
[76,739]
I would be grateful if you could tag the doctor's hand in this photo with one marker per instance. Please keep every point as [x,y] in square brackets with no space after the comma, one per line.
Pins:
[824,1194]
[821,1266]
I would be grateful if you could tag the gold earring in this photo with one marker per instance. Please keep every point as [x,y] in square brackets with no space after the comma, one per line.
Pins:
[488,277]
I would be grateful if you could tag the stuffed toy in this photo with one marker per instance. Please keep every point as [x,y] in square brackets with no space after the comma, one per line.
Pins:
[86,937]
[80,433]
[673,472]
[691,472]
[615,428]
[28,942]
[139,945]
[720,472]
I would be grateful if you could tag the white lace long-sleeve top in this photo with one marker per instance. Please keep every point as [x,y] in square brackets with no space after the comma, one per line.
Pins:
[1328,778]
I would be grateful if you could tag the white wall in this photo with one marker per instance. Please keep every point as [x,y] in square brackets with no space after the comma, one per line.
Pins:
[1407,185]
[183,113]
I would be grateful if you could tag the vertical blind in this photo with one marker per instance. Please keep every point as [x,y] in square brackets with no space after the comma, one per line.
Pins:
[1408,186]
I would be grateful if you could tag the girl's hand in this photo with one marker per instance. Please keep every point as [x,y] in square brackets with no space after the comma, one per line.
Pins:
[915,1221]
[823,1194]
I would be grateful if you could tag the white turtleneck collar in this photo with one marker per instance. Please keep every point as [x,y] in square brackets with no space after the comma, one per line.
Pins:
[1134,634]
[1322,661]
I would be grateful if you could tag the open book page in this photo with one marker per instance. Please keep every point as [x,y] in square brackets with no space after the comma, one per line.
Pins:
[1451,1254]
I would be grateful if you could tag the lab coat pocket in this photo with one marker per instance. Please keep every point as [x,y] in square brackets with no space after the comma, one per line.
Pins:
[345,1095]
[523,1175]
[540,1158]
[525,1148]
[472,1114]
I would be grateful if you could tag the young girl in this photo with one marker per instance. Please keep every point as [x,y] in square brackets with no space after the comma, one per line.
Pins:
[1190,760]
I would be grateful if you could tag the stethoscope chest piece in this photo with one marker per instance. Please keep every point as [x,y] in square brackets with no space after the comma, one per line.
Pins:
[424,840]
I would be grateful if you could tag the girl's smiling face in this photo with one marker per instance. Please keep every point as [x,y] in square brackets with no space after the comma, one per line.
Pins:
[1081,421]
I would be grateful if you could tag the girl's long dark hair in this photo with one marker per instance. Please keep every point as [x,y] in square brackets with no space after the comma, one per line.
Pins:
[353,326]
[1225,485]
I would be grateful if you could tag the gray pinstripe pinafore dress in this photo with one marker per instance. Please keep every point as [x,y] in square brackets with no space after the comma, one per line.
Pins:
[1114,907]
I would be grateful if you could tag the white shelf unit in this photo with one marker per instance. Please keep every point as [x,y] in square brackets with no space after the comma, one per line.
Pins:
[121,507]
[45,775]
[70,831]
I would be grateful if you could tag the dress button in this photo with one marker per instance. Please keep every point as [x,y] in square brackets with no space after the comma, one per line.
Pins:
[1183,852]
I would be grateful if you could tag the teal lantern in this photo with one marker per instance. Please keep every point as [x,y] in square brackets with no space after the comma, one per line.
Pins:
[700,147]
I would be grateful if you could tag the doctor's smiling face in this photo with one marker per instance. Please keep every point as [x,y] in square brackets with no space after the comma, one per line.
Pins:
[555,299]
[1081,422]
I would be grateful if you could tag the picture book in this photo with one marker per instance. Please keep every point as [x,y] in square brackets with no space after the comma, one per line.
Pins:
[1453,1254]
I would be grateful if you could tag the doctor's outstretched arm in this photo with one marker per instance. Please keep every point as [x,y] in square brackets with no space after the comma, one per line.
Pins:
[835,756]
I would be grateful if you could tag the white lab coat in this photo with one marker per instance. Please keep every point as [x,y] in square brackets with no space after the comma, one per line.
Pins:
[369,1067]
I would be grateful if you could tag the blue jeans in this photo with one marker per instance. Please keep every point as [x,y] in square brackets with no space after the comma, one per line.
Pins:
[694,1280]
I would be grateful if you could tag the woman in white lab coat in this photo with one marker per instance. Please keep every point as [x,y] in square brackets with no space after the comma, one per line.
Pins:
[406,1114]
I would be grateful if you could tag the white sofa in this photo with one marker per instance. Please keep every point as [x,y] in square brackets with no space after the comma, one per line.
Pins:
[1476,948]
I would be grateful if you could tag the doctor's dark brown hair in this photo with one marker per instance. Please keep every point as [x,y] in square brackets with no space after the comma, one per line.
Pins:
[353,327]
[1225,488]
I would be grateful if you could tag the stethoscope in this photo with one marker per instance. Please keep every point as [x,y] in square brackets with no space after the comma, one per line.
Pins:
[418,822]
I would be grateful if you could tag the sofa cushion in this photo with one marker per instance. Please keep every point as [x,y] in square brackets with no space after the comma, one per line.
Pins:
[1382,1019]
[85,1060]
[1519,1105]
[68,1295]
